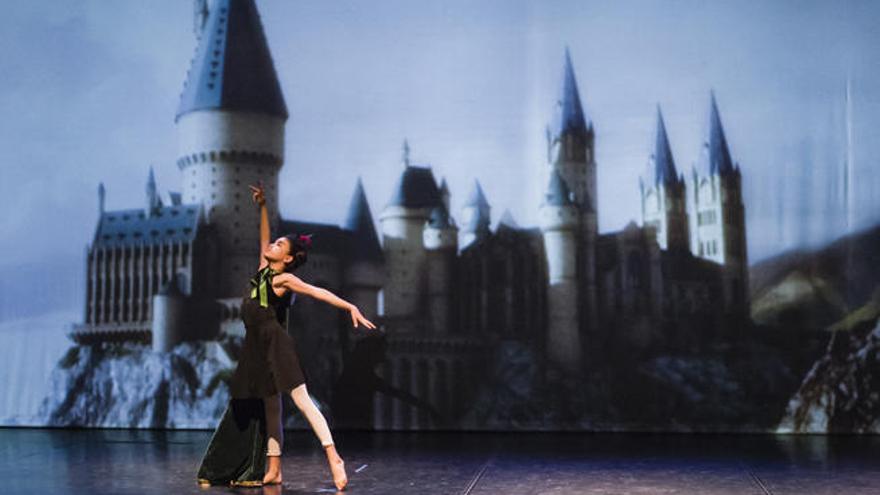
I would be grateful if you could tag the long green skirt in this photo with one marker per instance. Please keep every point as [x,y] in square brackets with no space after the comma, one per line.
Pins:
[237,452]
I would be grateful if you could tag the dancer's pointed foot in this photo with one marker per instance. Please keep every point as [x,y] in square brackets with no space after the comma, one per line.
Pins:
[273,473]
[337,467]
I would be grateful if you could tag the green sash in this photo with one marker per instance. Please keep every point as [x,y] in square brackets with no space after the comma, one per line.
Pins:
[262,283]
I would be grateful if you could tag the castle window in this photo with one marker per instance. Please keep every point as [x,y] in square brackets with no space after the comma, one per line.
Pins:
[125,217]
[170,231]
[187,230]
[137,235]
[191,211]
[154,232]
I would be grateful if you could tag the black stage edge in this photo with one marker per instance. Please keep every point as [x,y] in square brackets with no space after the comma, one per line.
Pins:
[56,461]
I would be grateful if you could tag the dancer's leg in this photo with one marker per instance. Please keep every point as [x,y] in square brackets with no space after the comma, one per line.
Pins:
[319,425]
[275,438]
[307,406]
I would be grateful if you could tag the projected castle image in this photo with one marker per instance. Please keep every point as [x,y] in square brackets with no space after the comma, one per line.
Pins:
[447,289]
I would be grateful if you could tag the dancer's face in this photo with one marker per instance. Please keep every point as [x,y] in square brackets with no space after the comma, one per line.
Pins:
[278,251]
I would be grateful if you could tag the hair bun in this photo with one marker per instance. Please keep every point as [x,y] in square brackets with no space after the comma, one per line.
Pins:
[305,240]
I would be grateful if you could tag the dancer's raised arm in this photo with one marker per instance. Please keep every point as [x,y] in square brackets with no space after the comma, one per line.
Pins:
[296,284]
[260,199]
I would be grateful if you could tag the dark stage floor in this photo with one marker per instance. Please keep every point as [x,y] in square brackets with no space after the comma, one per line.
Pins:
[147,462]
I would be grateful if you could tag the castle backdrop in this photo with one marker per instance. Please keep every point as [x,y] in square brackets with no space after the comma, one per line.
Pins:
[486,323]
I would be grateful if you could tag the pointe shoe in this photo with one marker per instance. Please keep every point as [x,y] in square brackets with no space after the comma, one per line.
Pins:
[339,478]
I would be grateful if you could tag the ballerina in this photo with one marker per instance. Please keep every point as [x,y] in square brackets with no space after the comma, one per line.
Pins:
[269,364]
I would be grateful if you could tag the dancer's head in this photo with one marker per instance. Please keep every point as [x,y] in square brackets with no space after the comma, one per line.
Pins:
[290,249]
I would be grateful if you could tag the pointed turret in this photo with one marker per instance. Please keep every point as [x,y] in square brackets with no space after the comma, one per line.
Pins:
[475,216]
[663,169]
[477,199]
[571,112]
[715,159]
[719,232]
[663,195]
[232,68]
[360,223]
[364,274]
[154,202]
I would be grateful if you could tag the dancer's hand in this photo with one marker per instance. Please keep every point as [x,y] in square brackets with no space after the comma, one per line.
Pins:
[357,317]
[258,196]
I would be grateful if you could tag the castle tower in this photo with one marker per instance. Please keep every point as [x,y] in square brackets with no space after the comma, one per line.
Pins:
[441,242]
[364,274]
[475,216]
[402,223]
[663,197]
[719,215]
[571,154]
[230,126]
[559,219]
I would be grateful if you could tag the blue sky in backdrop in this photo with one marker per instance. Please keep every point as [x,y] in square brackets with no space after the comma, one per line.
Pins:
[89,90]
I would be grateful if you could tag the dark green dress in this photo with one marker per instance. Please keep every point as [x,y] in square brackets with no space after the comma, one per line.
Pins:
[237,452]
[267,365]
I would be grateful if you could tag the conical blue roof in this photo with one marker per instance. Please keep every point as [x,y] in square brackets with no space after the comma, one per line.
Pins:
[232,68]
[477,198]
[360,223]
[571,113]
[663,171]
[416,189]
[557,193]
[715,159]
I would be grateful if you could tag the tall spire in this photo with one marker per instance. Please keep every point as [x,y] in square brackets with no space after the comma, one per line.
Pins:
[571,113]
[405,152]
[663,166]
[360,222]
[102,195]
[477,198]
[154,202]
[716,155]
[232,68]
[476,211]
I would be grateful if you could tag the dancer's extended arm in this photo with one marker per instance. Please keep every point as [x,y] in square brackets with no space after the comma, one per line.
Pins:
[260,199]
[296,284]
